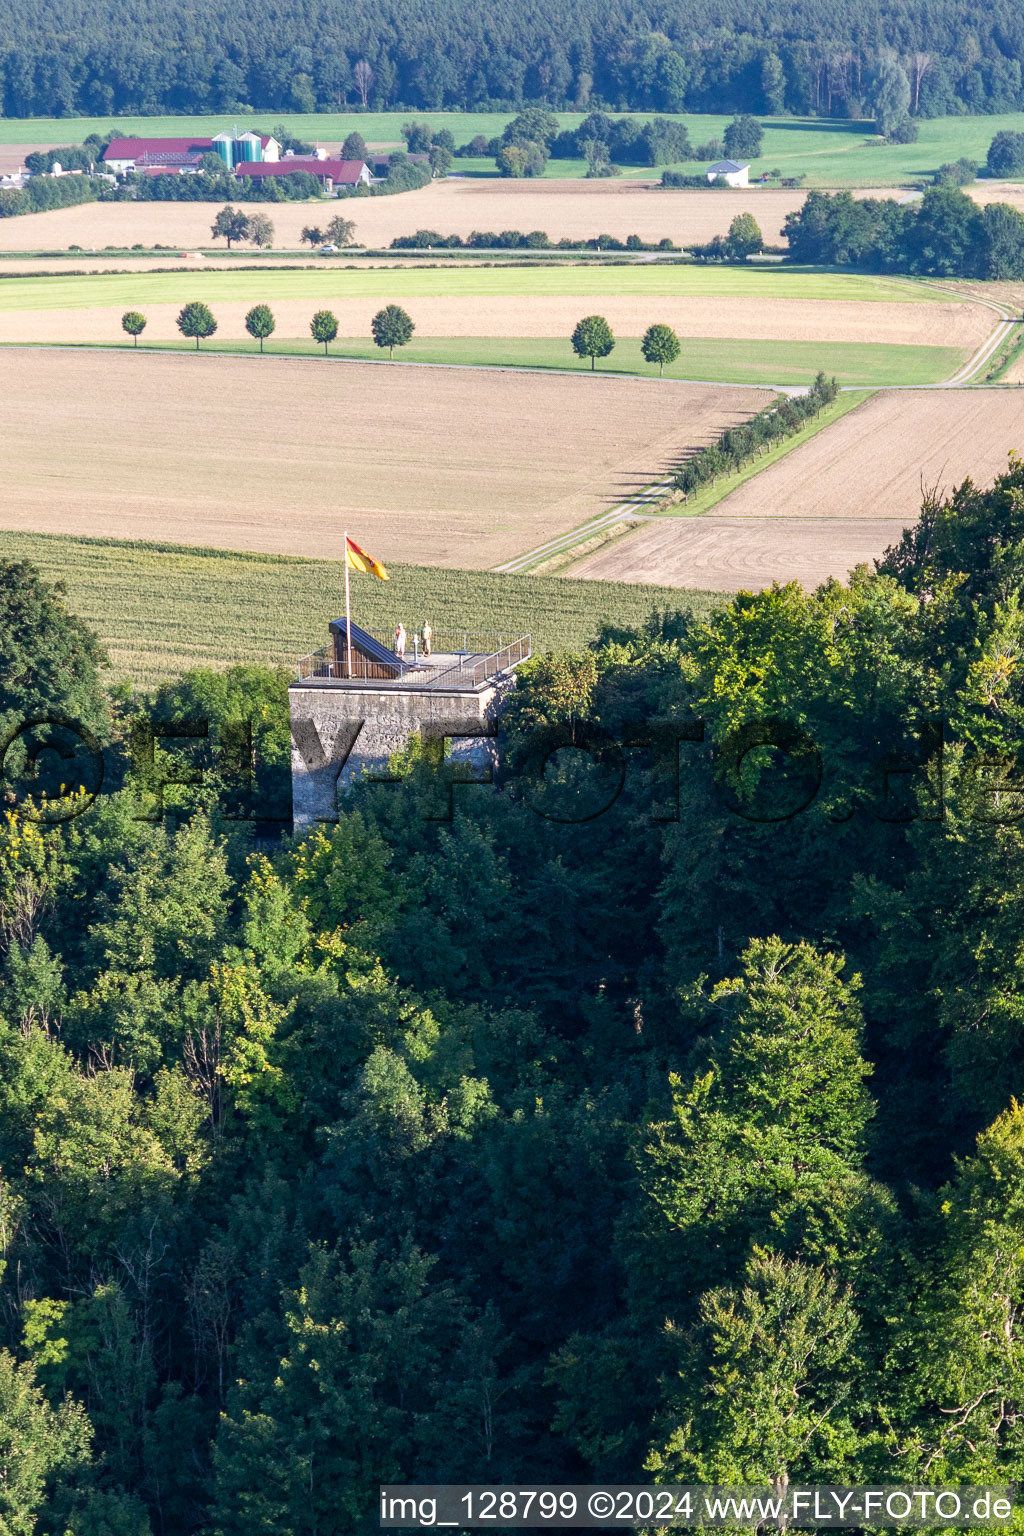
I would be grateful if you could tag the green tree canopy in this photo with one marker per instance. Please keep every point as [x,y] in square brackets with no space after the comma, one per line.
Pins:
[534,126]
[354,147]
[592,338]
[232,223]
[1006,153]
[890,96]
[133,323]
[37,1444]
[196,319]
[660,345]
[324,327]
[391,327]
[260,323]
[744,238]
[50,661]
[742,138]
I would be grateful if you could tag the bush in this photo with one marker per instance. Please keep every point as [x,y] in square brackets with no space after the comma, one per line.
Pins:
[477,148]
[679,180]
[515,240]
[956,173]
[518,160]
[904,132]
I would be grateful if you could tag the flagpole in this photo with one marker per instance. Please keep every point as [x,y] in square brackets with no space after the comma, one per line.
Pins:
[348,612]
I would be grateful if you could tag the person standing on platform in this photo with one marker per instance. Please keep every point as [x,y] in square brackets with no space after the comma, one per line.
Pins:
[400,640]
[428,635]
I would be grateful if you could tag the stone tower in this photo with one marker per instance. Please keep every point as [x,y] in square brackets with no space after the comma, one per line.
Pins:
[355,703]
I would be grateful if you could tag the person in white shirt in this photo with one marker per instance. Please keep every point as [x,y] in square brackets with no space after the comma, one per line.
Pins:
[400,640]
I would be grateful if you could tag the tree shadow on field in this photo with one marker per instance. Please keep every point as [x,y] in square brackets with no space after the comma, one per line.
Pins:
[843,125]
[627,484]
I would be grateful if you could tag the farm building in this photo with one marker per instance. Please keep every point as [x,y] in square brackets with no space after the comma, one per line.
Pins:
[730,171]
[180,156]
[333,175]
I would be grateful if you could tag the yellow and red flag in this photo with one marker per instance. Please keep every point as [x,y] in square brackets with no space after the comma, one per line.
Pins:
[359,560]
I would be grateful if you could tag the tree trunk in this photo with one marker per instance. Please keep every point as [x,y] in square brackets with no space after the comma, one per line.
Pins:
[661,370]
[197,343]
[593,360]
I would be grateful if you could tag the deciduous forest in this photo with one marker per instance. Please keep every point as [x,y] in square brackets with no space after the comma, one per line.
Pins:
[653,1118]
[814,57]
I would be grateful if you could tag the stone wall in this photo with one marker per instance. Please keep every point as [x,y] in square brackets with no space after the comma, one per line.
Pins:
[340,733]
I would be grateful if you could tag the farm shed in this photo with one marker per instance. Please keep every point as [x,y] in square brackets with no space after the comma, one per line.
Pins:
[332,174]
[731,171]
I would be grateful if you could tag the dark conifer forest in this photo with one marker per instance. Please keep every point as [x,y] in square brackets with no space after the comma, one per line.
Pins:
[800,56]
[656,1118]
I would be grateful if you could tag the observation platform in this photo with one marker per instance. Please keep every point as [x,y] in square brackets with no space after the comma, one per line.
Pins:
[461,661]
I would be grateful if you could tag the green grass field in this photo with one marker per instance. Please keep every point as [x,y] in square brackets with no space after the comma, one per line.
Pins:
[403,283]
[704,359]
[835,153]
[163,609]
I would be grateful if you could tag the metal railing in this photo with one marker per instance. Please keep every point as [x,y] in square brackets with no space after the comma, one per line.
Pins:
[473,668]
[447,642]
[321,666]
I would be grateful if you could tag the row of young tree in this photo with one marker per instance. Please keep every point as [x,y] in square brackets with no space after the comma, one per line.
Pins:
[393,327]
[390,327]
[682,1143]
[738,446]
[945,234]
[674,56]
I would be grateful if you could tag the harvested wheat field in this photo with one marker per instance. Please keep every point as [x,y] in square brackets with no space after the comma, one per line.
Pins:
[874,461]
[1011,192]
[953,324]
[12,156]
[431,466]
[564,209]
[840,498]
[725,554]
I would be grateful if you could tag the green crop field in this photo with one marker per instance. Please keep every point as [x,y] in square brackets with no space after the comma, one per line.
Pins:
[161,609]
[836,153]
[703,359]
[401,282]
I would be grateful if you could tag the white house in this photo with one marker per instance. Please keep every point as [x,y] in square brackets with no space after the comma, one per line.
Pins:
[730,171]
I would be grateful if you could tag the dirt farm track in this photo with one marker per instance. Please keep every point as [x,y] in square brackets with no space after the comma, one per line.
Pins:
[433,466]
[839,499]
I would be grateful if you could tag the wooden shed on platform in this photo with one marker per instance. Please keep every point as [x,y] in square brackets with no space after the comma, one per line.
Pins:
[370,658]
